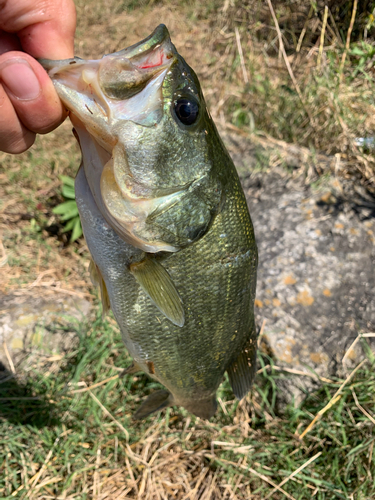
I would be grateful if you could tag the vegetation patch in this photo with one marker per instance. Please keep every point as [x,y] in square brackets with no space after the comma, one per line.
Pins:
[300,85]
[66,432]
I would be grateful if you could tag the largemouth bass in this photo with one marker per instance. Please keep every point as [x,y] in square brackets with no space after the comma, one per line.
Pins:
[165,220]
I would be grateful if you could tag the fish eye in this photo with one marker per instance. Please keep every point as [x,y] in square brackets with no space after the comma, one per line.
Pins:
[186,110]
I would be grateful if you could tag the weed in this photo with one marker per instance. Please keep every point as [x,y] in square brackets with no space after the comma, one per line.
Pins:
[68,210]
[90,442]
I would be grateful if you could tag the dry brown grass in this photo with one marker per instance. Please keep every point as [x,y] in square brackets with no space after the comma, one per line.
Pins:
[302,97]
[247,452]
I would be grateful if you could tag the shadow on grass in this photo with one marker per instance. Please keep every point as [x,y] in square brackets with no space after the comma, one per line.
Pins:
[24,403]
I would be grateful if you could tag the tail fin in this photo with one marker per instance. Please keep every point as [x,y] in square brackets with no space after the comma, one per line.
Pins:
[203,408]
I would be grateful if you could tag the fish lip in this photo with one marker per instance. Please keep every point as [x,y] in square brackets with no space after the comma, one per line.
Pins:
[148,44]
[139,49]
[51,64]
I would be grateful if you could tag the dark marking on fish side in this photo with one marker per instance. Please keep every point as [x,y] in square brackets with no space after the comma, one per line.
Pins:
[151,367]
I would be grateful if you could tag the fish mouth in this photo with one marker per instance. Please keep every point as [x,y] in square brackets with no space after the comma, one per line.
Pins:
[124,85]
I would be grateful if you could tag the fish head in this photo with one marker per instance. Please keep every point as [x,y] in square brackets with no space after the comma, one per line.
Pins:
[147,141]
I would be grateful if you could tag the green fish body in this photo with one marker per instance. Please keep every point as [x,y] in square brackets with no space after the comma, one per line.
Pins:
[165,220]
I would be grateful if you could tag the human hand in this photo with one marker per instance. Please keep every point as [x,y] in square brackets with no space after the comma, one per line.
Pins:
[28,101]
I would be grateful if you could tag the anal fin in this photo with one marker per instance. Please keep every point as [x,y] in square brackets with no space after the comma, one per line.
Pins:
[158,285]
[242,371]
[155,402]
[131,370]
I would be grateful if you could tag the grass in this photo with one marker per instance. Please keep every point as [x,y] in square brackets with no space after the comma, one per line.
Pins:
[66,432]
[65,421]
[320,103]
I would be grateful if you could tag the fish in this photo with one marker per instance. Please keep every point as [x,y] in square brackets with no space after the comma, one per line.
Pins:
[165,220]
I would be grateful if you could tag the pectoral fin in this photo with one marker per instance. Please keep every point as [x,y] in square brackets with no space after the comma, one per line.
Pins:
[97,280]
[155,402]
[242,371]
[158,285]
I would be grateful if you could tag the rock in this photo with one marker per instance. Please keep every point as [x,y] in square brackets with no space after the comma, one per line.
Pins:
[316,279]
[316,275]
[31,326]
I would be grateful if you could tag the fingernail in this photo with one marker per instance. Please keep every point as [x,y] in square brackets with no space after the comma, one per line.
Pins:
[20,79]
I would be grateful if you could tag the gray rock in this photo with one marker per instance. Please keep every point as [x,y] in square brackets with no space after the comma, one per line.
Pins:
[32,326]
[316,275]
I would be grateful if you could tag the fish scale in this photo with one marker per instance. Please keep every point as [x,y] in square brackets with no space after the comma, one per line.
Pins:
[178,260]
